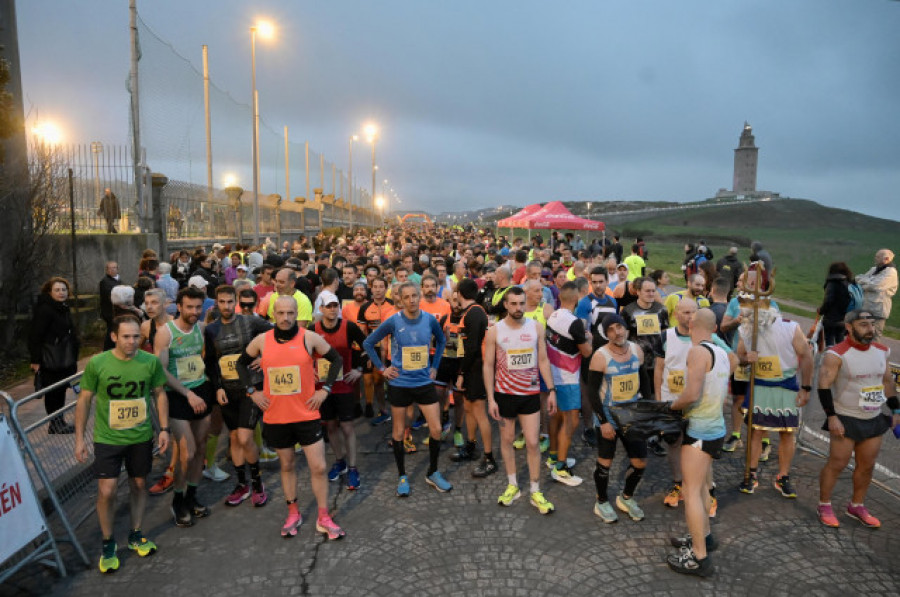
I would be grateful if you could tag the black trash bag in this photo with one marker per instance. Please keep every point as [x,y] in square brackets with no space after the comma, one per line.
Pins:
[642,419]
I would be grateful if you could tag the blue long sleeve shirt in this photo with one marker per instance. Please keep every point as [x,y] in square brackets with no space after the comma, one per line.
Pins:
[410,344]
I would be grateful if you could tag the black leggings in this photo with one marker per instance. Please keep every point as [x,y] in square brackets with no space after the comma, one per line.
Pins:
[55,400]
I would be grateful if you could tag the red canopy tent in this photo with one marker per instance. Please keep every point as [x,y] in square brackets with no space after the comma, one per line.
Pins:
[513,220]
[555,216]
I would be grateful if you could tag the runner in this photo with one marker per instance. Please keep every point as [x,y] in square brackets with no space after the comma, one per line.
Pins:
[285,285]
[567,345]
[617,376]
[122,379]
[515,354]
[225,340]
[339,409]
[704,393]
[179,346]
[410,376]
[442,311]
[290,405]
[859,372]
[470,379]
[371,315]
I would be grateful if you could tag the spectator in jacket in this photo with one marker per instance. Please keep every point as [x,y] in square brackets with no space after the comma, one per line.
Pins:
[109,281]
[879,284]
[730,267]
[834,305]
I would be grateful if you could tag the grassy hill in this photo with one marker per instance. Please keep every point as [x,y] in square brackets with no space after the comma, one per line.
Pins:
[802,236]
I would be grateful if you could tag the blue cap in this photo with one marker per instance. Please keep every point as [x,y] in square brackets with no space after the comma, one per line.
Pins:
[610,320]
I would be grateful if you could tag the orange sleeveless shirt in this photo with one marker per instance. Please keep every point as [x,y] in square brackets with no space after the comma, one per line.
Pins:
[289,380]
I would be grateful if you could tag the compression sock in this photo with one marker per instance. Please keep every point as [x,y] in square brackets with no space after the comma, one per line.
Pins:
[632,478]
[399,456]
[434,451]
[601,482]
[241,472]
[254,474]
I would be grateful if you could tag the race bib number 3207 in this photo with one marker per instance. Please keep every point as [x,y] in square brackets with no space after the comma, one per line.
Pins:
[518,359]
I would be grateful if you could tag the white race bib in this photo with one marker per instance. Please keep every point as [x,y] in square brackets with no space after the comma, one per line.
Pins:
[871,398]
[519,359]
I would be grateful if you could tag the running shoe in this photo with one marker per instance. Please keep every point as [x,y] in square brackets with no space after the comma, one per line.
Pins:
[140,544]
[733,442]
[352,479]
[511,494]
[544,443]
[109,561]
[519,442]
[241,492]
[458,440]
[673,497]
[685,562]
[605,512]
[766,450]
[403,488]
[214,473]
[687,541]
[266,454]
[629,507]
[382,417]
[259,498]
[826,516]
[370,412]
[565,476]
[589,436]
[713,506]
[327,527]
[749,486]
[337,469]
[465,452]
[551,462]
[861,514]
[784,485]
[656,446]
[291,524]
[437,480]
[485,468]
[540,502]
[197,509]
[409,445]
[164,485]
[419,422]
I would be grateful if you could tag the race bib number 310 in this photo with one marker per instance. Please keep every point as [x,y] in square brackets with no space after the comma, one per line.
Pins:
[624,387]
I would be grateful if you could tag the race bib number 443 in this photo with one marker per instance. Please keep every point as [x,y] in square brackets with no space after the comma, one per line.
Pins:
[284,380]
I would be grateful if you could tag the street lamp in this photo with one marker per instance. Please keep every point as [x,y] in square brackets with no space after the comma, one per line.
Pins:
[350,176]
[266,30]
[371,132]
[379,203]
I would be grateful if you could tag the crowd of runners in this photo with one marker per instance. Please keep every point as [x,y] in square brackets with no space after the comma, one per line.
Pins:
[457,330]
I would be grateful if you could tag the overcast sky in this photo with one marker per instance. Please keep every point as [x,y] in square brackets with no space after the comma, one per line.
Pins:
[489,102]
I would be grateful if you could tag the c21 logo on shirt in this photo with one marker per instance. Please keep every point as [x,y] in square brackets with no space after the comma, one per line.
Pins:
[127,390]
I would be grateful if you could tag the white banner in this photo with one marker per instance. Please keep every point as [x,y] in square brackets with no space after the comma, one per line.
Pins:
[20,516]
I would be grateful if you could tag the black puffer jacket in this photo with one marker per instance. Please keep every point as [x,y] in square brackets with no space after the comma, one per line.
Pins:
[52,320]
[837,299]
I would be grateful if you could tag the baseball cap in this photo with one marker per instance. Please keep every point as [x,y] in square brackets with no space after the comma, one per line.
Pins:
[611,320]
[621,265]
[327,297]
[198,282]
[857,315]
[243,267]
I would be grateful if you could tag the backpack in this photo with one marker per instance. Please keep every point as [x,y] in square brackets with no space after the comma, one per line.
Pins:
[856,297]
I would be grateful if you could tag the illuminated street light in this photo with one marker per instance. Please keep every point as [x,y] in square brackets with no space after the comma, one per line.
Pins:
[229,180]
[47,132]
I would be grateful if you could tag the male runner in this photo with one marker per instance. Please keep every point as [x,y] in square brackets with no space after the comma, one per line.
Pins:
[154,305]
[371,315]
[410,376]
[338,411]
[854,382]
[515,354]
[122,379]
[705,390]
[285,285]
[179,346]
[617,376]
[290,405]
[225,340]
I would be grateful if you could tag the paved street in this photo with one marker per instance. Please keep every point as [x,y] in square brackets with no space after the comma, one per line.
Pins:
[463,543]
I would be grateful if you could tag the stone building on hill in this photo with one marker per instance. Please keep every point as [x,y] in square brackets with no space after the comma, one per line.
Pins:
[746,161]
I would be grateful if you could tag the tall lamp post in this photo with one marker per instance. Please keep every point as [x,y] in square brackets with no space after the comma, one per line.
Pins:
[372,136]
[266,30]
[350,176]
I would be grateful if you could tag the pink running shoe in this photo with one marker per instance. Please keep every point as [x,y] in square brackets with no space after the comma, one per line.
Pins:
[861,514]
[327,527]
[291,525]
[826,516]
[240,493]
[260,498]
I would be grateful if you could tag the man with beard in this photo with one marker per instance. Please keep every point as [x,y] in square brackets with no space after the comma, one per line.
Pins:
[854,383]
[225,339]
[371,315]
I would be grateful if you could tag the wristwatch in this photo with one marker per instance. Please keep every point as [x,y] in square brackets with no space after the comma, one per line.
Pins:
[327,389]
[251,390]
[166,429]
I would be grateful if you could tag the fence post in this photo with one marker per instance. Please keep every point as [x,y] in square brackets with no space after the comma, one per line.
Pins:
[160,212]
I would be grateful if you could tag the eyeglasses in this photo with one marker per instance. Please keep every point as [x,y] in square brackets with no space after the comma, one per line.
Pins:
[247,305]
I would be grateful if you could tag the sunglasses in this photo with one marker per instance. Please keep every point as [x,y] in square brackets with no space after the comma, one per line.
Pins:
[247,305]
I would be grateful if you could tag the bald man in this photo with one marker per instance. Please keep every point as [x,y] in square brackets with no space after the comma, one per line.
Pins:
[705,390]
